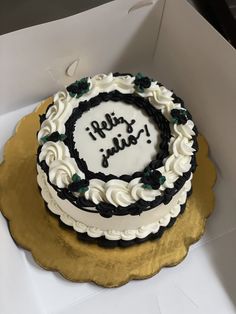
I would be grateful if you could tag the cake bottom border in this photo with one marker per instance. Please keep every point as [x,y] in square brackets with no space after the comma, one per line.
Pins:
[103,242]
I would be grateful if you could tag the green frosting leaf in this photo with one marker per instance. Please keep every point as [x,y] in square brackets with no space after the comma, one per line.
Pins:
[162,179]
[147,186]
[174,120]
[83,189]
[54,137]
[147,173]
[44,139]
[139,75]
[76,178]
[139,89]
[63,137]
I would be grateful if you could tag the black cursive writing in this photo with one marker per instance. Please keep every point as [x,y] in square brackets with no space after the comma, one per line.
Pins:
[120,144]
[109,123]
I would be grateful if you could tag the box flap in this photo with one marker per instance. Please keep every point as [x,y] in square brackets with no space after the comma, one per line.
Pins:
[107,38]
[195,60]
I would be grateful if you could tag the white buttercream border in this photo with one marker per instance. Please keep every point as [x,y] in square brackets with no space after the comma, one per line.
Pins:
[62,167]
[175,165]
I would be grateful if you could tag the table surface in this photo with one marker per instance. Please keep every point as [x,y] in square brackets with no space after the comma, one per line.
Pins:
[205,282]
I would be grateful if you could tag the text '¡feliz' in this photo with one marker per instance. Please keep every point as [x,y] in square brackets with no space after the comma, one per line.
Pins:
[119,143]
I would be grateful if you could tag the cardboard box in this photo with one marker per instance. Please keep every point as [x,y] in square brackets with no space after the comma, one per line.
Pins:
[168,40]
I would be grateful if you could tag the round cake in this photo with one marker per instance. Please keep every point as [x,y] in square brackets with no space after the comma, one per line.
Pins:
[116,157]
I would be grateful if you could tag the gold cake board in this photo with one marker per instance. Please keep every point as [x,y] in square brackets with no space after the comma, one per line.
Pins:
[58,248]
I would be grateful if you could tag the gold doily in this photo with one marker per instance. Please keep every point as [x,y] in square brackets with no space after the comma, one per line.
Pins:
[57,248]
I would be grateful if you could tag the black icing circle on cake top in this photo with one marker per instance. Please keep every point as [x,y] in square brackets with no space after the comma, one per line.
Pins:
[129,99]
[108,210]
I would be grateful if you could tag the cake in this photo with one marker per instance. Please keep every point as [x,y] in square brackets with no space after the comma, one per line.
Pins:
[116,158]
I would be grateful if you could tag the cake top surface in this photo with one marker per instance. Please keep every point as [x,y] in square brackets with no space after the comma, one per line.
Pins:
[114,132]
[114,142]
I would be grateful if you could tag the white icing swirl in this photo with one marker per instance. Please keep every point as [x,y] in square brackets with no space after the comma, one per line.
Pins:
[56,116]
[48,127]
[61,172]
[182,146]
[96,192]
[160,96]
[124,84]
[162,99]
[178,165]
[118,192]
[102,81]
[61,109]
[137,191]
[52,151]
[185,129]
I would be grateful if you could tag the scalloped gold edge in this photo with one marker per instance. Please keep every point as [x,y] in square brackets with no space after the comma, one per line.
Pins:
[126,277]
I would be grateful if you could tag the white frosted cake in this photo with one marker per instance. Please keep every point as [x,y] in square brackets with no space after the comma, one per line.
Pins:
[116,157]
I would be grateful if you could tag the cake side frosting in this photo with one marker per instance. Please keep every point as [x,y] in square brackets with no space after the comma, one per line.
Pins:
[115,228]
[118,192]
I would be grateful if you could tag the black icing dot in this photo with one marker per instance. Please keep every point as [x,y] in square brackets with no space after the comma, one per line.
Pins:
[149,141]
[119,135]
[87,129]
[113,113]
[101,150]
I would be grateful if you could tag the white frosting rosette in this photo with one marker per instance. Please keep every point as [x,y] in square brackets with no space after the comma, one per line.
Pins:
[61,109]
[178,165]
[96,192]
[102,81]
[48,127]
[52,151]
[117,193]
[161,96]
[185,129]
[62,171]
[182,146]
[124,84]
[56,116]
[138,192]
